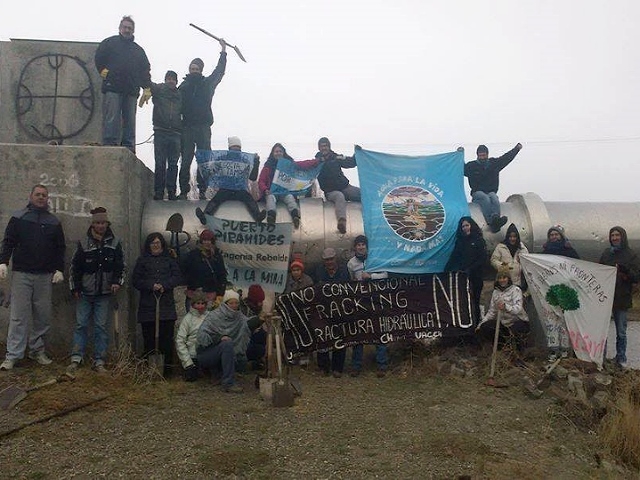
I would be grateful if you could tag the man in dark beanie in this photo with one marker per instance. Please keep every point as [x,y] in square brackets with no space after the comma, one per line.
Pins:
[334,183]
[95,276]
[167,127]
[484,178]
[197,93]
[124,68]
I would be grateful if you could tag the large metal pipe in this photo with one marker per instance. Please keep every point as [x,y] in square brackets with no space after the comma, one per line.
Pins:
[586,224]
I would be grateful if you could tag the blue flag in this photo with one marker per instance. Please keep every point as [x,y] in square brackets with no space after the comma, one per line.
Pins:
[411,207]
[289,177]
[229,169]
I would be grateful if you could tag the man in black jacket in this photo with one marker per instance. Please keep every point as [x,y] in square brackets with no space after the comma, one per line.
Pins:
[35,240]
[96,274]
[167,126]
[334,183]
[124,67]
[197,93]
[484,178]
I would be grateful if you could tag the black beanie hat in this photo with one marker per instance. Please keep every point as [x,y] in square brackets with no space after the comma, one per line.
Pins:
[482,149]
[172,74]
[198,61]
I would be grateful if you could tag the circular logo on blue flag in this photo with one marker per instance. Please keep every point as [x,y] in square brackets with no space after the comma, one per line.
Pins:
[413,213]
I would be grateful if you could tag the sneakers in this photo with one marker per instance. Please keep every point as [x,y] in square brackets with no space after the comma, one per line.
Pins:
[295,217]
[100,368]
[182,196]
[73,366]
[201,216]
[158,196]
[337,374]
[41,357]
[7,365]
[172,197]
[233,389]
[381,373]
[202,196]
[342,225]
[261,216]
[271,217]
[496,223]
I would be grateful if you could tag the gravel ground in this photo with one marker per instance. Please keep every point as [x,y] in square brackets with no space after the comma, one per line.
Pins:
[411,424]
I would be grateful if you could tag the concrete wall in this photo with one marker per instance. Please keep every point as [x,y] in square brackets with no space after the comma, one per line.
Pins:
[78,179]
[49,90]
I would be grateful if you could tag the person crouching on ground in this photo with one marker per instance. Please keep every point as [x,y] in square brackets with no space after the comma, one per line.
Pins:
[222,340]
[187,336]
[506,302]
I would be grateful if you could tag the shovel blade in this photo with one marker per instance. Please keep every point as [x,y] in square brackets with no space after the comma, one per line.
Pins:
[175,223]
[156,362]
[11,396]
[239,54]
[282,394]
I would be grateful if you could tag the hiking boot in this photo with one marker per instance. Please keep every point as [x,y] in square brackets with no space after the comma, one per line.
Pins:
[172,197]
[100,368]
[261,216]
[493,224]
[201,216]
[501,222]
[295,216]
[7,364]
[182,196]
[41,357]
[233,389]
[342,225]
[158,196]
[271,217]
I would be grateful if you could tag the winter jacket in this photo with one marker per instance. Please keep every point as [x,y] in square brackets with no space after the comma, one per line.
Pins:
[293,284]
[469,255]
[35,239]
[563,248]
[223,321]
[323,276]
[167,108]
[355,267]
[501,256]
[151,269]
[331,177]
[201,271]
[187,337]
[128,65]
[270,167]
[96,265]
[628,264]
[484,175]
[197,92]
[513,308]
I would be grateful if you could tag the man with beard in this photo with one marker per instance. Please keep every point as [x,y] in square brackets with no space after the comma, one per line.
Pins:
[197,93]
[124,68]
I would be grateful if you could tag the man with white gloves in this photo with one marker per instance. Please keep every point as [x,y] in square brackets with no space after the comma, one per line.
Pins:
[34,240]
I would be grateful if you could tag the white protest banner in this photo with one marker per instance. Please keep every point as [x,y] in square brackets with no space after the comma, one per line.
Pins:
[573,299]
[254,253]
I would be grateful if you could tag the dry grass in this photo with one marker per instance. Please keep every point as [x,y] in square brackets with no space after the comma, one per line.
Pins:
[620,429]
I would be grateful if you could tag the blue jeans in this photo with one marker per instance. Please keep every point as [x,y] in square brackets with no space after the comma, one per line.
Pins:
[166,149]
[119,120]
[620,321]
[221,355]
[193,136]
[489,204]
[98,307]
[30,316]
[382,359]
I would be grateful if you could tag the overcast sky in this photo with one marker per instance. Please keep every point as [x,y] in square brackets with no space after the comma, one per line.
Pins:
[408,77]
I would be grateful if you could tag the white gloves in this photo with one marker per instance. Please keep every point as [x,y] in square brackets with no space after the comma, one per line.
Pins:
[3,270]
[57,277]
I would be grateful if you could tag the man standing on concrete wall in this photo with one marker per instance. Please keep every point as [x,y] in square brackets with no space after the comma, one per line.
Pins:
[197,93]
[167,126]
[35,240]
[124,68]
[95,276]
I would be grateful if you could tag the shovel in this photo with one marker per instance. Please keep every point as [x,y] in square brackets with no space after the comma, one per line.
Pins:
[282,391]
[491,381]
[116,324]
[175,225]
[13,394]
[156,358]
[216,38]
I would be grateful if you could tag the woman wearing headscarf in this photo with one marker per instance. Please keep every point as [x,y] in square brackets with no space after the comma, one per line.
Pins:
[469,255]
[627,262]
[222,340]
[507,255]
[155,275]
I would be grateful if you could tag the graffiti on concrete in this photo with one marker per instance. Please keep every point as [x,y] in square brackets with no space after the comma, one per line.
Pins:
[70,181]
[69,204]
[55,97]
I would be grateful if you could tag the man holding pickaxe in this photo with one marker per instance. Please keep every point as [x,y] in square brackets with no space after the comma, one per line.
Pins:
[197,93]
